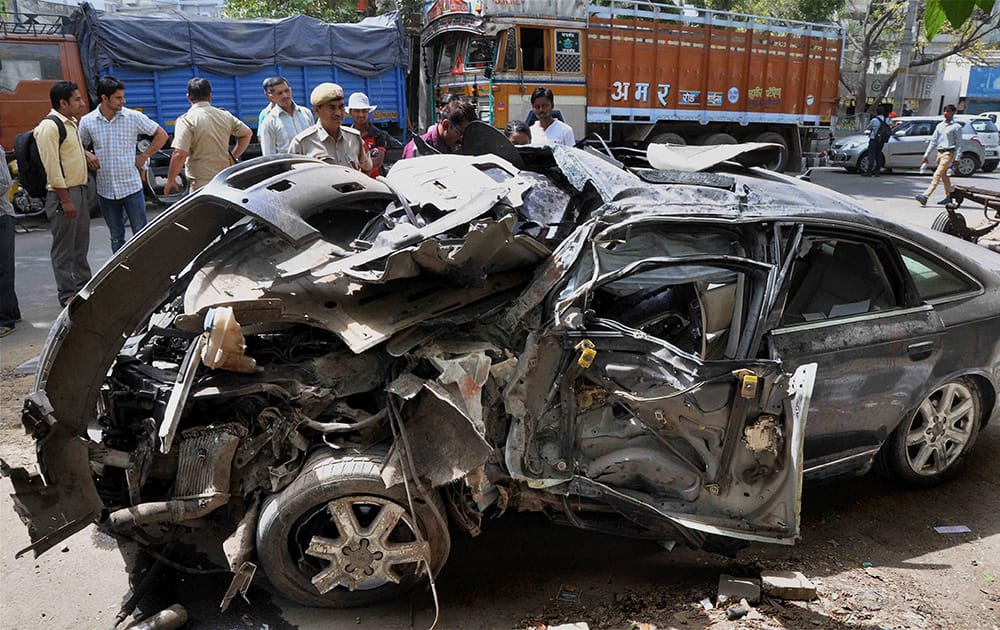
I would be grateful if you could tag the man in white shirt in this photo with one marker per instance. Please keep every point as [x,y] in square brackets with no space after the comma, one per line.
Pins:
[548,129]
[945,141]
[113,130]
[285,120]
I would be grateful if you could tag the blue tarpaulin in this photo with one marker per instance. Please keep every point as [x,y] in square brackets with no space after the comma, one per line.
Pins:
[165,40]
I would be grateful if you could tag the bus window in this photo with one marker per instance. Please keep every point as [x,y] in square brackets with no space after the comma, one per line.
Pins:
[481,54]
[533,49]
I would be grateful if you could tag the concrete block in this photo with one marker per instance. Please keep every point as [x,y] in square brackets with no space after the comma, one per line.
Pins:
[734,589]
[787,585]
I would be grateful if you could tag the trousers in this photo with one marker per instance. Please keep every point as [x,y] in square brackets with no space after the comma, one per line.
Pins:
[114,212]
[70,242]
[944,160]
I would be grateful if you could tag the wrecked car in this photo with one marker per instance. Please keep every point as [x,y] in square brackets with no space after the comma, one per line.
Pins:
[305,371]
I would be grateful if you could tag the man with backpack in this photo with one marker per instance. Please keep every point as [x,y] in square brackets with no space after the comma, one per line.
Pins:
[879,131]
[57,139]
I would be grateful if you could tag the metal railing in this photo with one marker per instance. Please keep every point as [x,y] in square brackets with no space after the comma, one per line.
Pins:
[33,24]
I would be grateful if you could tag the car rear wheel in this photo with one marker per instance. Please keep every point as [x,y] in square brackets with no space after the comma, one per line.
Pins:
[989,167]
[966,165]
[337,537]
[933,443]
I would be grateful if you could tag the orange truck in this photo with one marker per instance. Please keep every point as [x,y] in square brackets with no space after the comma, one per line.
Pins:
[639,72]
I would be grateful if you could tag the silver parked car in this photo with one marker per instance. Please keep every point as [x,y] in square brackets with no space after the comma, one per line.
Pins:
[906,146]
[986,130]
[302,369]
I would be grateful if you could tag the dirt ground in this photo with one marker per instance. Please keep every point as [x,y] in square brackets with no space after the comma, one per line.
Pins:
[868,546]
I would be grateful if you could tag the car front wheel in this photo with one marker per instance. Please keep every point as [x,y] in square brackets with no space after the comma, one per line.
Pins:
[933,443]
[337,537]
[863,162]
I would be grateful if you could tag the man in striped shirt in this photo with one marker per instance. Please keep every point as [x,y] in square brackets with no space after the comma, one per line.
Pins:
[113,130]
[284,121]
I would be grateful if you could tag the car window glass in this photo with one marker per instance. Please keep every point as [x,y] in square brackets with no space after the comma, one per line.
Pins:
[832,278]
[933,279]
[28,62]
[984,126]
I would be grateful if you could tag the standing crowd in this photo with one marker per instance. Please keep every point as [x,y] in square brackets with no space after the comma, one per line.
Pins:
[93,157]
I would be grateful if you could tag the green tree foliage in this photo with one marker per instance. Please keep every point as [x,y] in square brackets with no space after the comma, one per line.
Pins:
[956,12]
[804,10]
[326,10]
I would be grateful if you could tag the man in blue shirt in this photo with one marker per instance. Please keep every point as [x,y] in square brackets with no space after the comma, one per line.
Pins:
[945,141]
[285,119]
[113,130]
[879,131]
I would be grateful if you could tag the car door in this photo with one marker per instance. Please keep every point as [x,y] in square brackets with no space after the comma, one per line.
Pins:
[908,147]
[847,307]
[640,393]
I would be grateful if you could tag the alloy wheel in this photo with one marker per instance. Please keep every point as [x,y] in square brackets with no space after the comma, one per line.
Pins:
[940,429]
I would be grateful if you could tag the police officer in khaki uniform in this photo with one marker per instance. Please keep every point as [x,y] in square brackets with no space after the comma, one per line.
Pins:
[201,138]
[329,140]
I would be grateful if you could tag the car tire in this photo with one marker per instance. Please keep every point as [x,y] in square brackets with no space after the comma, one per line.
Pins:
[944,223]
[932,444]
[863,162]
[332,494]
[667,138]
[989,167]
[966,165]
[778,163]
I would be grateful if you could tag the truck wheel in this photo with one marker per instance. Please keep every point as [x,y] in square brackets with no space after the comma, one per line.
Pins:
[667,138]
[966,165]
[717,138]
[779,162]
[337,537]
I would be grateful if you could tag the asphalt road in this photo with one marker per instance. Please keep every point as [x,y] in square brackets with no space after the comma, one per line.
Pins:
[512,573]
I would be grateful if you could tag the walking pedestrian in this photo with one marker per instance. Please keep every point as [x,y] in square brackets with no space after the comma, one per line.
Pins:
[329,140]
[65,163]
[201,139]
[376,141]
[10,313]
[945,141]
[113,130]
[284,121]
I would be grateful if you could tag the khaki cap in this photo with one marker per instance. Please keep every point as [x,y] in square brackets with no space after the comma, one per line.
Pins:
[325,92]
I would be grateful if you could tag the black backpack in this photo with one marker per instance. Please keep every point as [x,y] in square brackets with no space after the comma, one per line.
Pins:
[883,132]
[30,170]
